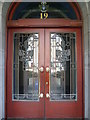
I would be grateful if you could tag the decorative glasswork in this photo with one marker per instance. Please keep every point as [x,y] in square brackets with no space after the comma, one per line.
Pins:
[43,7]
[26,10]
[63,67]
[25,66]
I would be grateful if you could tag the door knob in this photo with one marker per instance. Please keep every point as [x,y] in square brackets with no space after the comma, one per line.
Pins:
[41,69]
[41,95]
[47,95]
[47,69]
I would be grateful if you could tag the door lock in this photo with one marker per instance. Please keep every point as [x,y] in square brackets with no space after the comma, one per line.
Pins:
[41,95]
[47,95]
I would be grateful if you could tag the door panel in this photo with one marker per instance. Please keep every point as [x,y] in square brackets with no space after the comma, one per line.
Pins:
[25,57]
[64,78]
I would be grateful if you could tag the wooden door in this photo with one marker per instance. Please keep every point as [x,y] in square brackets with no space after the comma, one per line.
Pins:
[25,73]
[63,75]
[44,73]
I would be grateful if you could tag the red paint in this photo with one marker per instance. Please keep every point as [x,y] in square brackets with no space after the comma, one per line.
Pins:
[63,109]
[76,8]
[44,23]
[17,109]
[12,9]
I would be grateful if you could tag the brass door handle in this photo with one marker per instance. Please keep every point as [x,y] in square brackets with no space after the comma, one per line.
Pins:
[47,69]
[47,95]
[41,95]
[41,69]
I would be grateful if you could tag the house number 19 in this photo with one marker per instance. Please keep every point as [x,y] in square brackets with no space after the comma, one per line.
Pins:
[43,15]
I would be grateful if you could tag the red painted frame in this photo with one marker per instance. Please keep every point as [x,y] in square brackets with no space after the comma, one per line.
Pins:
[44,23]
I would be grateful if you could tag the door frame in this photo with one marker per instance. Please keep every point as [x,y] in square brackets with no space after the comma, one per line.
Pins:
[46,23]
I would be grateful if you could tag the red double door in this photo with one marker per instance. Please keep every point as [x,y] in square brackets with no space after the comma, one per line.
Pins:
[56,92]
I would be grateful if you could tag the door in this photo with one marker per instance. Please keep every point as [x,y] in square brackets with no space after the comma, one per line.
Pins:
[25,81]
[44,73]
[63,73]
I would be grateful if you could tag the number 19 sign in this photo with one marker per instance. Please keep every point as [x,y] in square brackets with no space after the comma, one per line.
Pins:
[43,15]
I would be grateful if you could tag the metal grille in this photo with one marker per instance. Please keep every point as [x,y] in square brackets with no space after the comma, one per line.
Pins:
[25,66]
[63,67]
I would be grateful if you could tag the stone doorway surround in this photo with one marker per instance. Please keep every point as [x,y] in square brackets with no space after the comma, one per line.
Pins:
[85,9]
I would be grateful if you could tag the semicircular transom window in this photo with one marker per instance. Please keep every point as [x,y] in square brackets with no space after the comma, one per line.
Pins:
[26,10]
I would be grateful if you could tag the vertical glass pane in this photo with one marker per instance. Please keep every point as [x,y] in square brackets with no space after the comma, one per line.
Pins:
[25,66]
[63,67]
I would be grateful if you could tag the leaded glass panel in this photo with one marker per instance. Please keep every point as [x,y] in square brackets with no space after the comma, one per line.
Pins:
[25,66]
[63,67]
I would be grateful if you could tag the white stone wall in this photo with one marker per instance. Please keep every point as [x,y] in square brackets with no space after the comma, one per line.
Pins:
[1,62]
[3,12]
[85,8]
[89,60]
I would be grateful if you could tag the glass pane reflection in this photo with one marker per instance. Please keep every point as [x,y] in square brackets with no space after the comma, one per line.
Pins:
[63,67]
[26,10]
[25,66]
